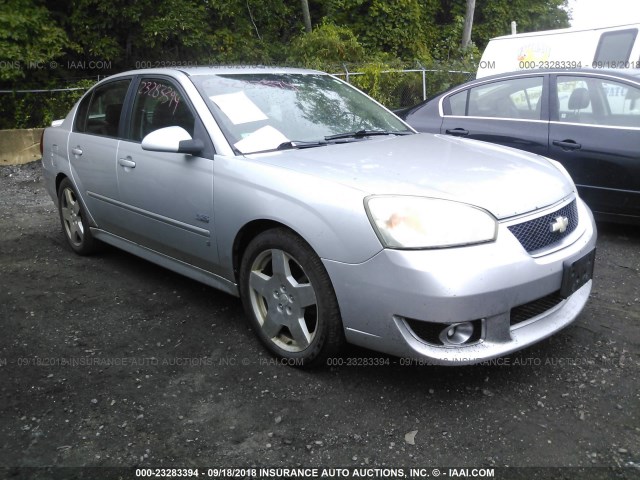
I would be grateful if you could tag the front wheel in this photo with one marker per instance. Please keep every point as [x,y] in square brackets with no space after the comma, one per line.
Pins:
[288,296]
[73,217]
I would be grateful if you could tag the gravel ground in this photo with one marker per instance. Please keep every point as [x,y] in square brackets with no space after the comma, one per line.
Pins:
[111,361]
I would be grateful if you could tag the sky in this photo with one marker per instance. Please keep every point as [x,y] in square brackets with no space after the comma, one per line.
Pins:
[604,13]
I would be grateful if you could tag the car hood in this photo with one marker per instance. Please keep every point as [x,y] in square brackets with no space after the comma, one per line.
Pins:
[504,181]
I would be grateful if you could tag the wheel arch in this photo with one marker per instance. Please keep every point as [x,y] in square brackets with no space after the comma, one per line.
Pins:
[325,332]
[59,178]
[247,233]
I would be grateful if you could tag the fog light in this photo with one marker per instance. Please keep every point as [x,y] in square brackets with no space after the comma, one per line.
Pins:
[456,333]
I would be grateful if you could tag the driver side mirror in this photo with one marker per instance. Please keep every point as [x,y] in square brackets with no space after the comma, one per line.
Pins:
[172,140]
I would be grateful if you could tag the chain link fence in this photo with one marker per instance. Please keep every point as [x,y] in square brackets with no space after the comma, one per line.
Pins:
[393,88]
[397,89]
[35,108]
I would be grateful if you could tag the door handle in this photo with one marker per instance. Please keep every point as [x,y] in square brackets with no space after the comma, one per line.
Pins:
[77,151]
[457,132]
[567,144]
[125,162]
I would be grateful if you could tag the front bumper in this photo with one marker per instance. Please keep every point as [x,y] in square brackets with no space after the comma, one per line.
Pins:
[384,299]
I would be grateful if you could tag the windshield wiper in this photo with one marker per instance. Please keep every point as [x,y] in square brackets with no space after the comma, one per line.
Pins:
[301,144]
[363,133]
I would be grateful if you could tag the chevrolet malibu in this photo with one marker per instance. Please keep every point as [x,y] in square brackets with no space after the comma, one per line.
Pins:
[328,216]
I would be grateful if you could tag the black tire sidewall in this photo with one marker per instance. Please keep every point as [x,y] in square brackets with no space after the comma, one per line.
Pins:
[87,245]
[329,336]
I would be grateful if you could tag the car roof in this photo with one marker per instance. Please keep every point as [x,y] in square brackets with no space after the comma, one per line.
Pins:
[230,69]
[212,70]
[626,74]
[629,74]
[216,70]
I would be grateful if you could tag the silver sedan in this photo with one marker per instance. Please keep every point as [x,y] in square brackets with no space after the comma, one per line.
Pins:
[330,218]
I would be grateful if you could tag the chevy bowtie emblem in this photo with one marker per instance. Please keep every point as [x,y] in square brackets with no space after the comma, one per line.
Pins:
[559,224]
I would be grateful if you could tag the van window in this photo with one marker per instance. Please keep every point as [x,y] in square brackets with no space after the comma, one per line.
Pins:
[614,48]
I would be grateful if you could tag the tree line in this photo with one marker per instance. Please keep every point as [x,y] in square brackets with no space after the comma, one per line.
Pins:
[53,43]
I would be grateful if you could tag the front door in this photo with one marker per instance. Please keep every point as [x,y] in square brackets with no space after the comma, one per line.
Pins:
[167,198]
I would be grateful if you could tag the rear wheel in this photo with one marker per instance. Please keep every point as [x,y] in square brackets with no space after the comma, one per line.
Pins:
[74,220]
[289,299]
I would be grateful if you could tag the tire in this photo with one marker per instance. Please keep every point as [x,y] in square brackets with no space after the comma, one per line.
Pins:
[73,218]
[289,299]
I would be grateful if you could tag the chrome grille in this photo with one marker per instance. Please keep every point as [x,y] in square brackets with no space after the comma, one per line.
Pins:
[536,234]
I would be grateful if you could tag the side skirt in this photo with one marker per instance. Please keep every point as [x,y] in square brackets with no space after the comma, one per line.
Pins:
[177,266]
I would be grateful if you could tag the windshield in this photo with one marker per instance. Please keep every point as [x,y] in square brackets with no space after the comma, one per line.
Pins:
[264,111]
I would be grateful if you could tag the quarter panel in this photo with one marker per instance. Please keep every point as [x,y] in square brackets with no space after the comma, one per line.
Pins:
[54,158]
[426,118]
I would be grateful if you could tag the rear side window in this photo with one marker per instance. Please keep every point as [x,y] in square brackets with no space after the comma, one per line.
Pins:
[458,103]
[100,112]
[614,48]
[514,98]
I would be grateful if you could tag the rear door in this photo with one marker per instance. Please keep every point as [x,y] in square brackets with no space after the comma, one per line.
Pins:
[595,134]
[92,149]
[511,112]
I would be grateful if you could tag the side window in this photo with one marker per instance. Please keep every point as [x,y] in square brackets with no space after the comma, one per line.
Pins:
[528,101]
[99,113]
[574,100]
[598,101]
[614,47]
[458,103]
[514,98]
[158,104]
[623,102]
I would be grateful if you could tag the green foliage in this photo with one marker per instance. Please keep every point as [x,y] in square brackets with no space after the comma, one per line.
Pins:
[176,23]
[389,27]
[194,31]
[494,18]
[395,88]
[380,81]
[327,45]
[117,35]
[28,38]
[22,110]
[106,31]
[57,106]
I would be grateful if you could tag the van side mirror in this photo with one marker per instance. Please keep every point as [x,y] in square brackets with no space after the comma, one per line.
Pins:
[172,140]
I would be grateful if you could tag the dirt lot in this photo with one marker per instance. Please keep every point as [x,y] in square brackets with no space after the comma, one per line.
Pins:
[112,361]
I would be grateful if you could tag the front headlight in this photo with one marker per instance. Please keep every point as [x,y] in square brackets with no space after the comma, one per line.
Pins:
[421,222]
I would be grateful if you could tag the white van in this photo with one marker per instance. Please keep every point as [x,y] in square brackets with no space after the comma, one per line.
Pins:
[607,47]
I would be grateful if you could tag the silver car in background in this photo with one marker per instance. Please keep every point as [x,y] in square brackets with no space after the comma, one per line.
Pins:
[330,217]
